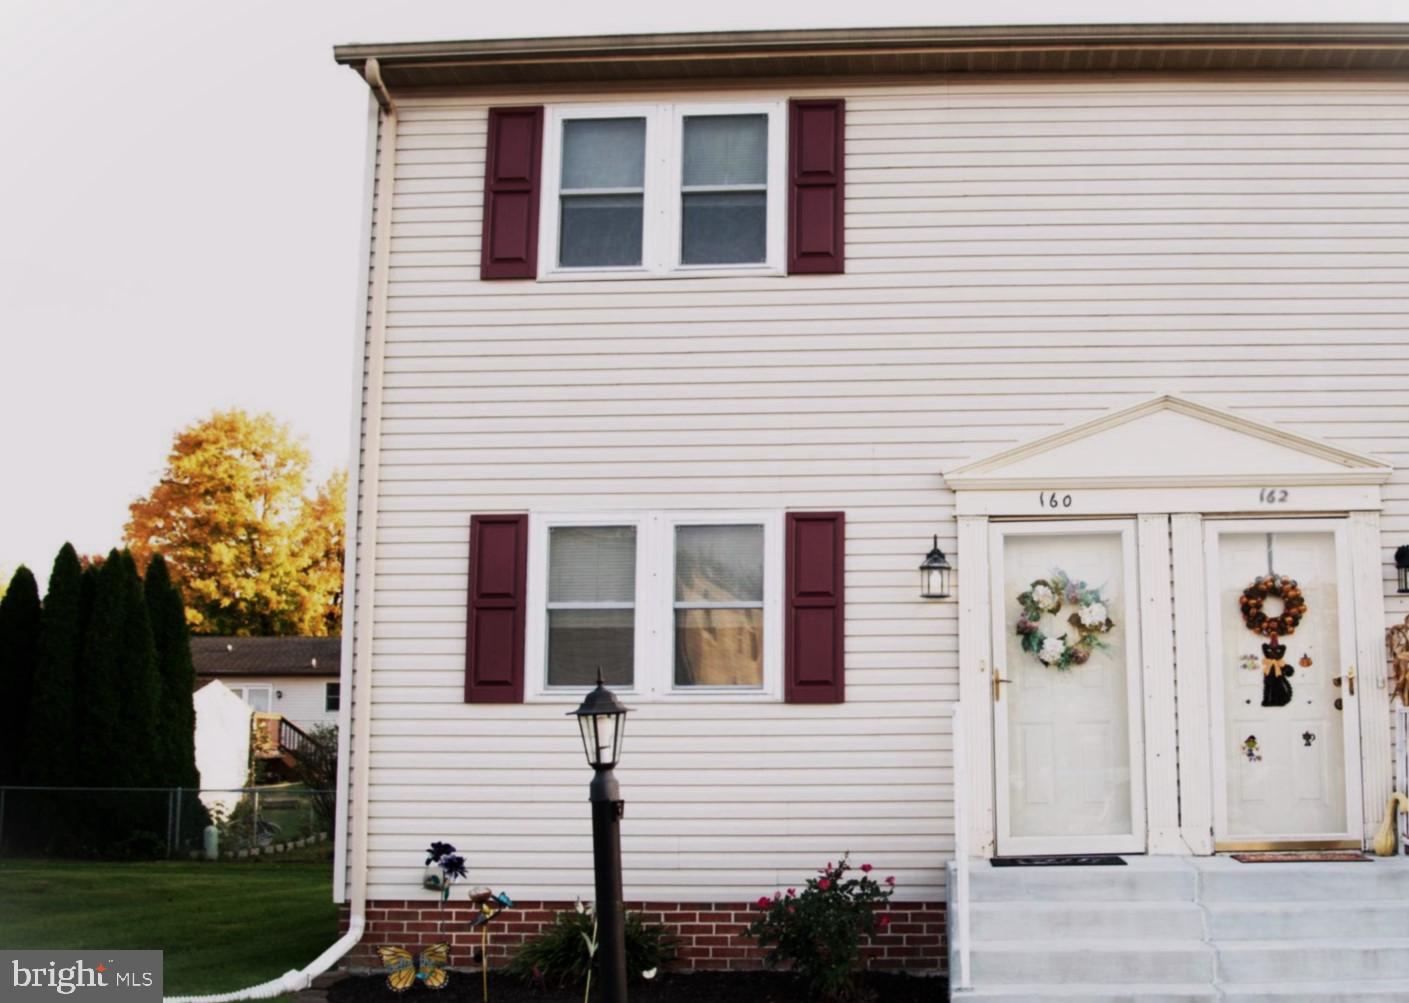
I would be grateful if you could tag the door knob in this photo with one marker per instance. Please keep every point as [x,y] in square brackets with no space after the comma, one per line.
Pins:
[998,682]
[1350,680]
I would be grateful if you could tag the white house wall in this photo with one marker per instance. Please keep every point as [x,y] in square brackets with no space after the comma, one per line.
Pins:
[1020,255]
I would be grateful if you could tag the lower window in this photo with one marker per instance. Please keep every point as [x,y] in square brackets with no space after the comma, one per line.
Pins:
[666,604]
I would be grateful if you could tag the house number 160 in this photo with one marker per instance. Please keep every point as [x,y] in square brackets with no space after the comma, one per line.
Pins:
[1053,500]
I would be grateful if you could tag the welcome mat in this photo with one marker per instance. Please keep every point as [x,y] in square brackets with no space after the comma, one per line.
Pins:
[1089,860]
[1340,856]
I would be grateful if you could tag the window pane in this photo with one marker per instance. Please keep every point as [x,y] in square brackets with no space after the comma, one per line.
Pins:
[604,153]
[258,698]
[579,640]
[719,647]
[591,564]
[600,230]
[719,564]
[726,149]
[723,228]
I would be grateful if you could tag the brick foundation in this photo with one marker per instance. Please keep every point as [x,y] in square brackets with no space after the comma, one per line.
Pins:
[710,934]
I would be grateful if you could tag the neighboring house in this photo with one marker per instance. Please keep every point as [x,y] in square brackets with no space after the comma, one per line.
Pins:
[294,677]
[680,350]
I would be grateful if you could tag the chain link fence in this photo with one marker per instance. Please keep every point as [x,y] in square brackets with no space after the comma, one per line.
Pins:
[148,823]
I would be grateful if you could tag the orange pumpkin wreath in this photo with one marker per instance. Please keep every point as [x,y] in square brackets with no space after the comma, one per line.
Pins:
[1283,588]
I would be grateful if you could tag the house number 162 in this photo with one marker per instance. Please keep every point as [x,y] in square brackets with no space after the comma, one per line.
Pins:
[1053,500]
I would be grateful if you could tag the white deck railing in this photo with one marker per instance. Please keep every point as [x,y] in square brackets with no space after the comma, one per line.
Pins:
[959,922]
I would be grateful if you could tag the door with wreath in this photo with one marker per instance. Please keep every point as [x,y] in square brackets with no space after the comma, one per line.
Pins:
[1068,751]
[1285,700]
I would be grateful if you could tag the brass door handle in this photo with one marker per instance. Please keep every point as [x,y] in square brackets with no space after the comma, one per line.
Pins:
[1350,680]
[998,682]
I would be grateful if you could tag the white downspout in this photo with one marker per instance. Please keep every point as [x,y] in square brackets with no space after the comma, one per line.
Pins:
[353,775]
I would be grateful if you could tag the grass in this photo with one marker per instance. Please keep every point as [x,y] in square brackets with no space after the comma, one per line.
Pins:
[223,925]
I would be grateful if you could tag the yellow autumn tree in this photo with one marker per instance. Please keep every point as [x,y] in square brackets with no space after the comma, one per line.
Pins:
[253,553]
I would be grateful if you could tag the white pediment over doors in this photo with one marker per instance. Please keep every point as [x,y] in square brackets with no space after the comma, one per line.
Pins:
[1197,457]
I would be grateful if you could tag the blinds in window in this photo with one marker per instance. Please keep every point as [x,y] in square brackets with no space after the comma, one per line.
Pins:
[588,564]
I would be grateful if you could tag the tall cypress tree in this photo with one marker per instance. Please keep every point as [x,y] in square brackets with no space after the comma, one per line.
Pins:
[140,686]
[176,724]
[19,648]
[103,760]
[52,735]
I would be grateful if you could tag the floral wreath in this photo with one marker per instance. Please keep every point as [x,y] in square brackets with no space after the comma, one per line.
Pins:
[1281,587]
[1090,620]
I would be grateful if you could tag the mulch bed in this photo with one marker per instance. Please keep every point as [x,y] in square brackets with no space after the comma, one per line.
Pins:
[696,987]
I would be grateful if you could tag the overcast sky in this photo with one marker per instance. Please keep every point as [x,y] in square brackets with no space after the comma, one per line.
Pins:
[180,189]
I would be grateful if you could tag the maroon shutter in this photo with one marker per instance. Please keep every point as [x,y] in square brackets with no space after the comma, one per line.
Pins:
[509,247]
[816,608]
[816,186]
[495,631]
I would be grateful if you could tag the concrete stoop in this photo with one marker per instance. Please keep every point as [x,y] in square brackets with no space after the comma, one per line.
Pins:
[1189,930]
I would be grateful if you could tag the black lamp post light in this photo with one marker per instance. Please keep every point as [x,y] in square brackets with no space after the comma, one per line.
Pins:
[1401,566]
[602,720]
[934,574]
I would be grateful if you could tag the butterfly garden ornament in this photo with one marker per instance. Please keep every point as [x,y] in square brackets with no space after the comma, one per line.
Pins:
[404,970]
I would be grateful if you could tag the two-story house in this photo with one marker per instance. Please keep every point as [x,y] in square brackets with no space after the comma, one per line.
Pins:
[680,354]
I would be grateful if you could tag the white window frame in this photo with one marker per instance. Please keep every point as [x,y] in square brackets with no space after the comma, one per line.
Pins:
[661,202]
[242,690]
[653,671]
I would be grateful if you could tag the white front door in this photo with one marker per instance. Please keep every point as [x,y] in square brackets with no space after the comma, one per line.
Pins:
[1068,753]
[1286,723]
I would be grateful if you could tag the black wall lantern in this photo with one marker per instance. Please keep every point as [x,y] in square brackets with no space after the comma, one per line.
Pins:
[602,720]
[1401,564]
[934,574]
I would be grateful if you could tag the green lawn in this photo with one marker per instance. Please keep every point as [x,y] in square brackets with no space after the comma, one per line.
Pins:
[222,925]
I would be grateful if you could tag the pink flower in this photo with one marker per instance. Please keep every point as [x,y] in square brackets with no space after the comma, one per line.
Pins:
[762,902]
[777,896]
[891,880]
[824,884]
[883,922]
[792,892]
[865,868]
[828,868]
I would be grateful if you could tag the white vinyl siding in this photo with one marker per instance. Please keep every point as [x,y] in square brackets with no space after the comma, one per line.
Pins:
[1020,255]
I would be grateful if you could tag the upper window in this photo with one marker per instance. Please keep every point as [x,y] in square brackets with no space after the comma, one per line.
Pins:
[660,603]
[332,697]
[663,188]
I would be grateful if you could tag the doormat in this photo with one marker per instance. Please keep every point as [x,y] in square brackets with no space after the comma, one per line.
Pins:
[1341,856]
[1090,860]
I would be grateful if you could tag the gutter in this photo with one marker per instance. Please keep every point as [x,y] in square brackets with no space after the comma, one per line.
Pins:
[734,43]
[357,662]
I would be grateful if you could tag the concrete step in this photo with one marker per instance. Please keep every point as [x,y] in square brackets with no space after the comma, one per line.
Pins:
[1306,920]
[1150,880]
[1091,992]
[1321,960]
[1229,881]
[1089,920]
[1343,991]
[1100,961]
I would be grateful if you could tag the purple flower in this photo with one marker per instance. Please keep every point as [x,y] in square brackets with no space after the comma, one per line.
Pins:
[453,865]
[438,850]
[1026,626]
[1080,655]
[1073,591]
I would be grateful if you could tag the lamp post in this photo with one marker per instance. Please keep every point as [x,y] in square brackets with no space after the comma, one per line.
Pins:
[934,574]
[1401,567]
[602,720]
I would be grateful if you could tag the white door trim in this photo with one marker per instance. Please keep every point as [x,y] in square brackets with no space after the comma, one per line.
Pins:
[1135,841]
[1345,601]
